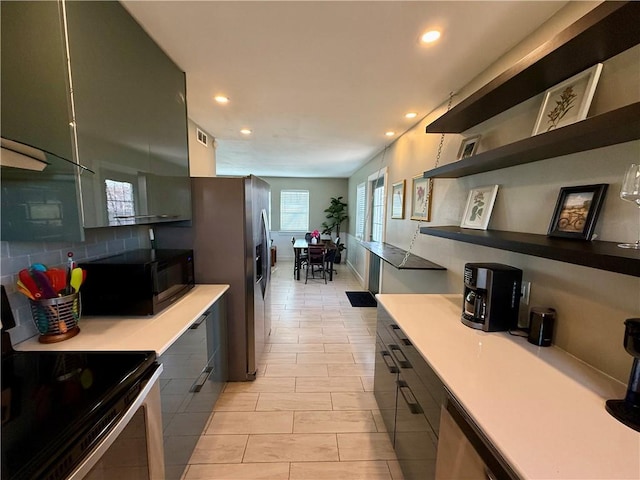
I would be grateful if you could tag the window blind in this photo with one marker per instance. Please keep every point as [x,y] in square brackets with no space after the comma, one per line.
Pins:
[294,210]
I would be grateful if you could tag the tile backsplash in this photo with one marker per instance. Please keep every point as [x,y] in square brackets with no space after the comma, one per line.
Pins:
[99,242]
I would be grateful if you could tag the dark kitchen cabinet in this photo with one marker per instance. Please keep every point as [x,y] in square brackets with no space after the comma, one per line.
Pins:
[195,371]
[37,205]
[126,119]
[131,120]
[409,396]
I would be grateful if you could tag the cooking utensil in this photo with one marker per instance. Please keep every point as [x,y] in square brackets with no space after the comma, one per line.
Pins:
[42,281]
[29,283]
[76,279]
[70,267]
[58,279]
[24,290]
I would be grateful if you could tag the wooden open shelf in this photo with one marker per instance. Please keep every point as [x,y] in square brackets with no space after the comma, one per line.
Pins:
[394,256]
[617,126]
[607,30]
[601,255]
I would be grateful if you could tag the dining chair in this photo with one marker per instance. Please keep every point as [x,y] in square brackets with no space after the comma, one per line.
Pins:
[316,262]
[303,257]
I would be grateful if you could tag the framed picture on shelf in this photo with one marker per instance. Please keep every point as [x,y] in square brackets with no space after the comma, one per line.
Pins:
[468,147]
[397,200]
[479,206]
[421,190]
[577,210]
[568,102]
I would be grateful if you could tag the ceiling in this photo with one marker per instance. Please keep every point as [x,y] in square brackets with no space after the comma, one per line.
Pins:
[320,82]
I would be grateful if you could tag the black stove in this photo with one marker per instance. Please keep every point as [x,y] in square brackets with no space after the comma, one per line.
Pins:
[56,406]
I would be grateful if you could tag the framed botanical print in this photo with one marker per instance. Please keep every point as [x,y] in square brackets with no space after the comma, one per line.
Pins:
[568,102]
[421,189]
[479,206]
[397,200]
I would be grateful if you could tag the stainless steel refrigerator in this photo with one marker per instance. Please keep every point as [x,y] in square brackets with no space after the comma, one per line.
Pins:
[229,234]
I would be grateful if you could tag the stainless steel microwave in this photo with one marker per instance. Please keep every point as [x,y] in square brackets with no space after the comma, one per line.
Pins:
[138,282]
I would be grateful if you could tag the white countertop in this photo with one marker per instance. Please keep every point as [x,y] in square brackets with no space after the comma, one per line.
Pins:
[543,409]
[148,333]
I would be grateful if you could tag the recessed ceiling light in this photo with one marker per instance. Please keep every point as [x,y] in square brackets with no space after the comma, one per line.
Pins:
[221,99]
[430,36]
[245,131]
[389,133]
[411,115]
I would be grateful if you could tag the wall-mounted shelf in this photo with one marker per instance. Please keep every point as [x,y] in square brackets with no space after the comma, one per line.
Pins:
[610,128]
[607,30]
[600,255]
[394,256]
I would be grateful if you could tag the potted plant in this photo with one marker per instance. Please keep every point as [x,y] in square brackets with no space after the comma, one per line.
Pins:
[336,214]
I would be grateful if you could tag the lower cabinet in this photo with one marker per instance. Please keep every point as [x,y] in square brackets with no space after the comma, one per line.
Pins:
[195,371]
[409,396]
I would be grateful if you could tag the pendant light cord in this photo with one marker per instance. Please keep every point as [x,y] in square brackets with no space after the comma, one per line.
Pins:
[428,195]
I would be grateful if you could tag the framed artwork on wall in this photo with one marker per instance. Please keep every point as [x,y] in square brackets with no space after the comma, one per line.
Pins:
[397,200]
[468,147]
[568,102]
[479,206]
[577,210]
[421,190]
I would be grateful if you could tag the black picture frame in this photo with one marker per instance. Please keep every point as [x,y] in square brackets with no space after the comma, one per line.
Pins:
[577,210]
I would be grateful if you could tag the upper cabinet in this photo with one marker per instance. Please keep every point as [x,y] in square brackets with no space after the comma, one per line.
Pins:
[131,119]
[121,92]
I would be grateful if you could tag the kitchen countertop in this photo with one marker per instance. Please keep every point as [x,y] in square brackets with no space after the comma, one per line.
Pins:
[542,408]
[148,333]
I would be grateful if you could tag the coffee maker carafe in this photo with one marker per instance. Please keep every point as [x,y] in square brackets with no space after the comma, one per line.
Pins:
[491,296]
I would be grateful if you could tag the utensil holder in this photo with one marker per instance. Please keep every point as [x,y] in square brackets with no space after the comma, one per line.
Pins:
[57,318]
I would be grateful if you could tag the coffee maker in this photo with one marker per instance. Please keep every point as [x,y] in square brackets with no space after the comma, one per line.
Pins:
[491,296]
[628,409]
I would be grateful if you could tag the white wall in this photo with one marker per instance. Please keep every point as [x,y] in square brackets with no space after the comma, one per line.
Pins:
[591,304]
[202,160]
[320,192]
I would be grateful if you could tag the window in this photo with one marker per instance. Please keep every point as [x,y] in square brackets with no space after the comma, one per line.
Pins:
[120,201]
[294,210]
[377,211]
[360,211]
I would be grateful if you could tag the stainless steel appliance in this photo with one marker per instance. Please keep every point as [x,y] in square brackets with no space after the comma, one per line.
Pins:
[71,415]
[138,282]
[491,296]
[463,450]
[229,235]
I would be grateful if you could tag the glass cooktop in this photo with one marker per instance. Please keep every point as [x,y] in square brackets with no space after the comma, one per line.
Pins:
[57,405]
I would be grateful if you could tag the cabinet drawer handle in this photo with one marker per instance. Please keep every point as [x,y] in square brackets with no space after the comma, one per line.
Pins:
[410,400]
[200,320]
[404,362]
[396,330]
[392,368]
[201,380]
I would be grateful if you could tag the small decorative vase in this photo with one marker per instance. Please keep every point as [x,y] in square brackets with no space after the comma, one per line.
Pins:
[314,240]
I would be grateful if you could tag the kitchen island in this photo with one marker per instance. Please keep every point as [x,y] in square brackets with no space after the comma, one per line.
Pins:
[156,332]
[542,409]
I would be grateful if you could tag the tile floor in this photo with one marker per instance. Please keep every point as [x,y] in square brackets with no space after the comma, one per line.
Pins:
[310,414]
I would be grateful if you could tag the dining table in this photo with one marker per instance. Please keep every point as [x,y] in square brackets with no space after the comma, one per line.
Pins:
[301,245]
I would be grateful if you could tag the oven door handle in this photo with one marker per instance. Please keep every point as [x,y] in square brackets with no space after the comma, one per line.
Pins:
[156,470]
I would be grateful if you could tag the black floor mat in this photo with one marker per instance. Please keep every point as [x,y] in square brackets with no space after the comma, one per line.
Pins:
[361,299]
